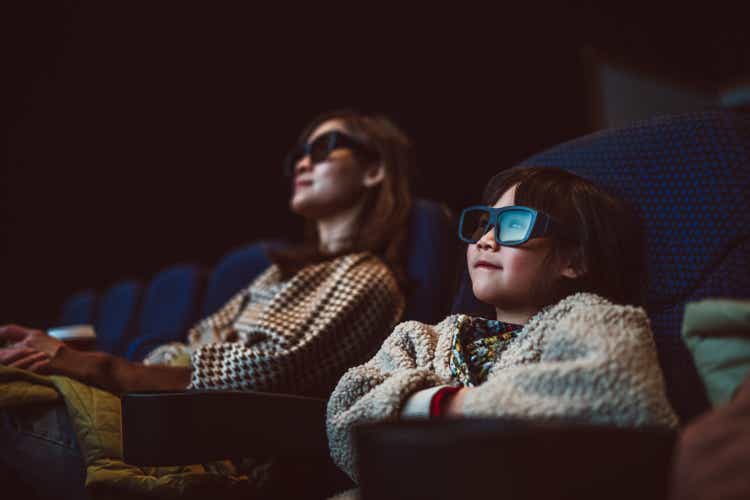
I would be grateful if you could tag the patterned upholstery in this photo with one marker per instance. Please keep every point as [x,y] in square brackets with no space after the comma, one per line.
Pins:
[689,177]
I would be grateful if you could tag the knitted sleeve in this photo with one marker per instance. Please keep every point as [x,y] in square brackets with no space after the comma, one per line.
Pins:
[309,334]
[598,365]
[219,323]
[376,390]
[209,329]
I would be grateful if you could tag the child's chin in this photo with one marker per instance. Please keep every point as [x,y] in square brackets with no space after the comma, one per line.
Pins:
[487,294]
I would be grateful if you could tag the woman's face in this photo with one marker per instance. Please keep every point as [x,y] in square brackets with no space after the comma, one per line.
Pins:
[331,186]
[503,276]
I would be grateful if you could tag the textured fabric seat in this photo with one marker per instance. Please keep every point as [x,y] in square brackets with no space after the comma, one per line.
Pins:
[689,178]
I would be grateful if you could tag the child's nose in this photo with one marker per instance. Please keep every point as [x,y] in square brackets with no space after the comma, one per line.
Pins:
[487,241]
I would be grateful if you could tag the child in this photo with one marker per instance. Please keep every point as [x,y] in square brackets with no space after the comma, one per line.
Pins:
[562,262]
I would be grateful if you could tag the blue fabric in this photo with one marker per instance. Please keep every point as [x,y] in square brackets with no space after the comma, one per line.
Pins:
[234,272]
[116,315]
[38,443]
[169,309]
[431,262]
[78,309]
[689,177]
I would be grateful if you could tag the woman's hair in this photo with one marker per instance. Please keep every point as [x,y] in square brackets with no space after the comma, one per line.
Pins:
[382,228]
[607,244]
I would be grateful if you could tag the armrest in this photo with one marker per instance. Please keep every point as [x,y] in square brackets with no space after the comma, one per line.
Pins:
[494,458]
[180,428]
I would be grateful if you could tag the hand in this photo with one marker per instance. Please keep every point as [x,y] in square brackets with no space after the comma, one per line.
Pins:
[453,404]
[27,348]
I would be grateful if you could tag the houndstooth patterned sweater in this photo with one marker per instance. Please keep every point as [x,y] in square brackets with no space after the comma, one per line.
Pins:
[296,336]
[582,358]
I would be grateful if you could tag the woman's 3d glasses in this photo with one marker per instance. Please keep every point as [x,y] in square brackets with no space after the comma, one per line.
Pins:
[513,225]
[319,149]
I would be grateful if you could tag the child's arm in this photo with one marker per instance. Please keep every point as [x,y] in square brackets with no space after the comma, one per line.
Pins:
[377,390]
[598,365]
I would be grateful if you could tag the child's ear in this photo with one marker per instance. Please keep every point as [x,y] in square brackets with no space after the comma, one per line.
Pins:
[573,266]
[374,175]
[571,272]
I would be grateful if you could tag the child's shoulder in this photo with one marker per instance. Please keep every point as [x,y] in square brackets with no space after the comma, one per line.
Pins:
[587,310]
[588,317]
[449,324]
[591,303]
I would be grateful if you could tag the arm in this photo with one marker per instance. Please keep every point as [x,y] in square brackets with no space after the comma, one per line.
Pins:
[36,351]
[377,390]
[309,333]
[598,364]
[117,375]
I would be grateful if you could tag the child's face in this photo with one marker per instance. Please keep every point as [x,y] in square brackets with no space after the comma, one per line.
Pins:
[503,276]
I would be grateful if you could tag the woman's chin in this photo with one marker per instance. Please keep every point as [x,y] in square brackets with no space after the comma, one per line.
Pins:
[302,205]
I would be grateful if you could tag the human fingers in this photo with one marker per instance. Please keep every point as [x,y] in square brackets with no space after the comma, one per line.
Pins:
[25,362]
[11,354]
[13,333]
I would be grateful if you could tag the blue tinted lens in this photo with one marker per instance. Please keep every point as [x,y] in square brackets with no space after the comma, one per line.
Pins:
[514,225]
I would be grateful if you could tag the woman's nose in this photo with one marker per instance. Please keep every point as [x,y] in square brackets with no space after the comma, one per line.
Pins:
[487,241]
[303,165]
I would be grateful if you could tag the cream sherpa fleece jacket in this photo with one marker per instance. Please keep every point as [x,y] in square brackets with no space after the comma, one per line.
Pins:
[582,358]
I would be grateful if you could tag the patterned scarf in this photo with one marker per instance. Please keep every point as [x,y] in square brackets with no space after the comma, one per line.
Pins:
[476,347]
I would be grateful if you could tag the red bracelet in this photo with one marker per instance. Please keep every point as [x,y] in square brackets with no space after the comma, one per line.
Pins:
[436,403]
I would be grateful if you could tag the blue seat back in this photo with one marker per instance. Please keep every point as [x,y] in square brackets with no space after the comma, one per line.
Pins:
[689,177]
[116,316]
[235,271]
[432,248]
[78,309]
[169,308]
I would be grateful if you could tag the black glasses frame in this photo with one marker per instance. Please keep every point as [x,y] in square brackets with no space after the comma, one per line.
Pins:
[319,149]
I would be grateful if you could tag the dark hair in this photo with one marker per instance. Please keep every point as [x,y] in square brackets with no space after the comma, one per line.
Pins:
[383,224]
[610,246]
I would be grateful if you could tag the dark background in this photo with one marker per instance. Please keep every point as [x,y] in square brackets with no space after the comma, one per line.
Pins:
[140,135]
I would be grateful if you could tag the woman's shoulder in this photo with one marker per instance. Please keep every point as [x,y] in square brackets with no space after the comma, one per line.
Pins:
[365,259]
[355,262]
[364,265]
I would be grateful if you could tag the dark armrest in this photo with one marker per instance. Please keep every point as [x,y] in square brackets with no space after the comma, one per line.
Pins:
[179,428]
[511,459]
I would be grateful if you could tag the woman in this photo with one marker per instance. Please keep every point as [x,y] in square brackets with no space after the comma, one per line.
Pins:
[320,308]
[351,184]
[562,262]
